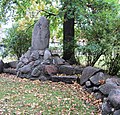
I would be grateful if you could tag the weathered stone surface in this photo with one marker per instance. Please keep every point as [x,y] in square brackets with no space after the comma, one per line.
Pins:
[36,72]
[28,53]
[66,69]
[114,81]
[95,79]
[13,64]
[26,68]
[37,62]
[106,88]
[44,77]
[51,69]
[78,70]
[114,98]
[98,95]
[106,108]
[28,75]
[87,73]
[115,91]
[34,55]
[95,89]
[6,65]
[65,79]
[115,101]
[118,81]
[89,90]
[46,62]
[10,71]
[19,65]
[47,54]
[41,34]
[25,60]
[41,52]
[58,61]
[88,84]
[117,112]
[1,66]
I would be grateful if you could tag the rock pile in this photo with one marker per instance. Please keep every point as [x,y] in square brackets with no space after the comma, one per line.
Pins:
[95,81]
[38,62]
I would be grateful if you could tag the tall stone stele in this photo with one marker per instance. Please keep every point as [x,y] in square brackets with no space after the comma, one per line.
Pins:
[41,34]
[31,63]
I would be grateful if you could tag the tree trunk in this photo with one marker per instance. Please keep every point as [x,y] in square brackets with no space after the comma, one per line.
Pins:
[68,39]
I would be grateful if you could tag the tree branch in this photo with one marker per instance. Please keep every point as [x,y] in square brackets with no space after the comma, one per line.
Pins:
[50,13]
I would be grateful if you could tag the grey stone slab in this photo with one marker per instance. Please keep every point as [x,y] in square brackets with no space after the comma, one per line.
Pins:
[106,88]
[26,68]
[106,108]
[10,71]
[65,79]
[34,55]
[58,61]
[87,73]
[95,79]
[19,65]
[112,81]
[117,112]
[36,72]
[114,97]
[66,69]
[1,66]
[25,60]
[13,64]
[47,54]
[41,34]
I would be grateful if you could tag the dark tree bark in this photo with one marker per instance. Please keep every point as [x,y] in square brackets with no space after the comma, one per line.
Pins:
[68,39]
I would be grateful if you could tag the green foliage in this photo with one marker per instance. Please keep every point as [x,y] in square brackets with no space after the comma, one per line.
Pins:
[17,41]
[100,25]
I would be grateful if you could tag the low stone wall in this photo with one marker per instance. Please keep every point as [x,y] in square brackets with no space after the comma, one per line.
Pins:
[93,80]
[104,87]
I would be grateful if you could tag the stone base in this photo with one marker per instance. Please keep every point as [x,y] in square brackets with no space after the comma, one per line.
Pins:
[37,63]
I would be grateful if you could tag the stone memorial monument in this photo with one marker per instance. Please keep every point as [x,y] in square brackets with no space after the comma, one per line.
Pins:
[38,62]
[41,34]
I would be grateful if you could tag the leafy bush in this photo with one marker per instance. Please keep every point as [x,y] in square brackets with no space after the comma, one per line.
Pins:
[101,28]
[17,41]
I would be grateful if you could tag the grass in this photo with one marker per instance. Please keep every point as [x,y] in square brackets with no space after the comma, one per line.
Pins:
[25,97]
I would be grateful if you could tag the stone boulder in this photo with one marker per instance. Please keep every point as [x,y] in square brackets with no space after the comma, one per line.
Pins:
[13,64]
[117,112]
[58,61]
[1,66]
[47,54]
[106,108]
[114,98]
[10,71]
[66,69]
[87,73]
[51,69]
[106,88]
[113,81]
[95,79]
